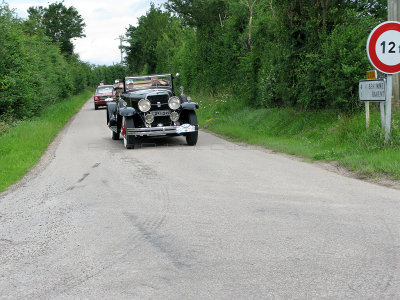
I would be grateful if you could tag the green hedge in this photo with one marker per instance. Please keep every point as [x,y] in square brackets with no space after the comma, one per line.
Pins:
[304,54]
[34,73]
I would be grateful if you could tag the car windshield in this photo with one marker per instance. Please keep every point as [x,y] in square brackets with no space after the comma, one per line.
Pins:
[104,90]
[148,82]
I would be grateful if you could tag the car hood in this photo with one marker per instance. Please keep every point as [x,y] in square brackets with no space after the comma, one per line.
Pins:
[104,95]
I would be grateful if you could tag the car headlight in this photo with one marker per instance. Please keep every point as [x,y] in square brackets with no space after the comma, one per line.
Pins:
[174,102]
[144,105]
[149,118]
[174,116]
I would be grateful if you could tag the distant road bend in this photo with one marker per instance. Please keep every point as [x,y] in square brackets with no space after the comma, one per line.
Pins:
[170,221]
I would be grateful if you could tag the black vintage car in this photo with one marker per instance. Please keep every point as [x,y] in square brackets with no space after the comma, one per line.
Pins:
[149,107]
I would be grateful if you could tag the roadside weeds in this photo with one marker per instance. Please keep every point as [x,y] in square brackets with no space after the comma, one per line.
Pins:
[22,146]
[331,140]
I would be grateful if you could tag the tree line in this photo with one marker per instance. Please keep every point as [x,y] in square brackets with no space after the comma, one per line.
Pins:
[38,66]
[308,54]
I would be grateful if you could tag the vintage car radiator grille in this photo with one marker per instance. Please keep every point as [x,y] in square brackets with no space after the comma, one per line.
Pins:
[163,99]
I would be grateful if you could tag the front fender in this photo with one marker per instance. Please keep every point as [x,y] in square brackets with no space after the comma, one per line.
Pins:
[127,111]
[112,107]
[190,105]
[111,110]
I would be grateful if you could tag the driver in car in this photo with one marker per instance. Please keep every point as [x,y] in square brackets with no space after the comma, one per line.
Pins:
[156,82]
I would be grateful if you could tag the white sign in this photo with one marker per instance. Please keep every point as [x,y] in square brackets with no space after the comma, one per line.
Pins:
[372,90]
[383,47]
[387,47]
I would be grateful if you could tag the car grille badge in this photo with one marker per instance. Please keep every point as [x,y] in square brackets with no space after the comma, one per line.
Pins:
[158,104]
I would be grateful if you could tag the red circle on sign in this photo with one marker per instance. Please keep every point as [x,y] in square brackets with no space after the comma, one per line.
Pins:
[371,44]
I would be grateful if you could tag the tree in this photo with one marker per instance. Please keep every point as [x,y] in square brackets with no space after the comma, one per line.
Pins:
[249,4]
[143,39]
[265,52]
[199,13]
[60,24]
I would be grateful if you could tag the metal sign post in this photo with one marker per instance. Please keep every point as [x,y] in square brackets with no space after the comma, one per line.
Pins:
[382,109]
[388,104]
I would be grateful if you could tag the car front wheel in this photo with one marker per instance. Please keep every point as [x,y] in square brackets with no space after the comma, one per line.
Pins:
[129,140]
[114,135]
[191,138]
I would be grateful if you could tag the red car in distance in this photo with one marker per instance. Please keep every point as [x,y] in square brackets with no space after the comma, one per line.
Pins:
[102,93]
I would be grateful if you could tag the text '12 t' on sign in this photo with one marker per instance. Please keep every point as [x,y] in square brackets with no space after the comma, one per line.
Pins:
[372,90]
[383,47]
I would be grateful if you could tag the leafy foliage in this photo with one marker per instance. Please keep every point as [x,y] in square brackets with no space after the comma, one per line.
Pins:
[199,13]
[61,24]
[107,74]
[34,73]
[307,54]
[141,54]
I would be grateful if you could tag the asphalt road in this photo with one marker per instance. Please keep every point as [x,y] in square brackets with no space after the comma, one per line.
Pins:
[170,221]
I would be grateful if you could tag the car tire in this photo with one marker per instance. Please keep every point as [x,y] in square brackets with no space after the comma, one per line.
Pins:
[129,140]
[191,138]
[96,107]
[114,135]
[107,116]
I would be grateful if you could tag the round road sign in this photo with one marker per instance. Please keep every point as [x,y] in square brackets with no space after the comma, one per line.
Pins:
[383,47]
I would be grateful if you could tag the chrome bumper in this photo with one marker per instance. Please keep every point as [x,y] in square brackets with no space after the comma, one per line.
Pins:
[157,131]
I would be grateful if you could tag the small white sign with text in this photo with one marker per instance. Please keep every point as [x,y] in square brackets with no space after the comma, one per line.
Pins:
[372,90]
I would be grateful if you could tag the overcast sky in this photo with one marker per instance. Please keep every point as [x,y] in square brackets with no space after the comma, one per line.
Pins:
[105,22]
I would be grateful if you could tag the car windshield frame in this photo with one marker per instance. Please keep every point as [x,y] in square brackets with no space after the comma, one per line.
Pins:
[107,88]
[135,83]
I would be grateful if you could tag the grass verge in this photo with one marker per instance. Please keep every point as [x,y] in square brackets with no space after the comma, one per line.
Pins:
[22,145]
[319,135]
